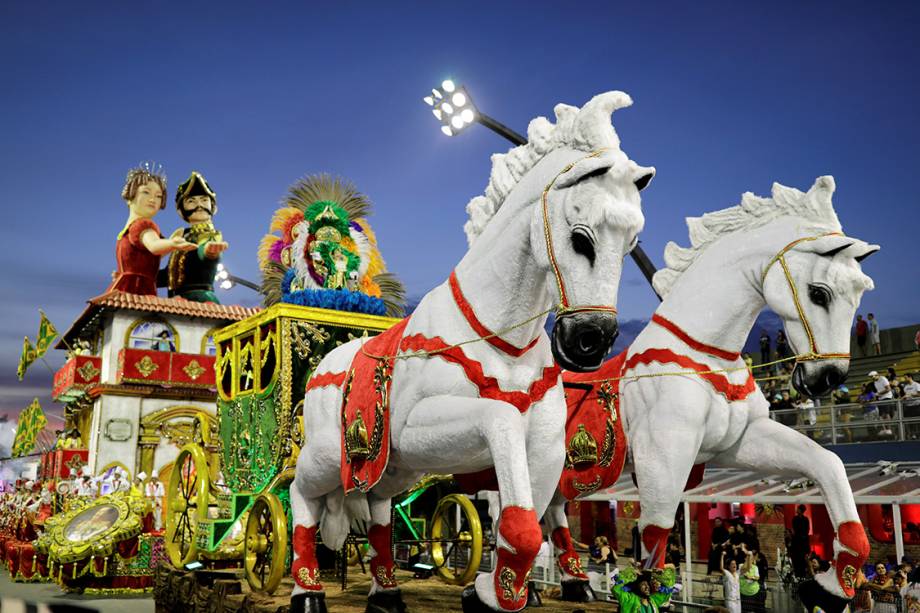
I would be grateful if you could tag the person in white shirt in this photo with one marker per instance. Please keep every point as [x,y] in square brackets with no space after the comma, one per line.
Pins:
[883,392]
[731,586]
[911,405]
[155,491]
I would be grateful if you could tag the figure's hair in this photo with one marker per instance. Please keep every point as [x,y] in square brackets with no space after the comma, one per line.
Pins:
[814,206]
[586,129]
[142,175]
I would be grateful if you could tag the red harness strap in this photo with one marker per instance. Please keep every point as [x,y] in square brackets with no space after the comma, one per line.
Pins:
[718,381]
[673,328]
[488,386]
[325,379]
[470,315]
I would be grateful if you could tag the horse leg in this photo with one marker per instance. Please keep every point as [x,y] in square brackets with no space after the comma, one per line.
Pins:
[767,445]
[308,595]
[575,586]
[384,596]
[482,432]
[663,458]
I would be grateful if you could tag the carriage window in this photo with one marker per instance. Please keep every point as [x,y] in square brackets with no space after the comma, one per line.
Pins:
[152,334]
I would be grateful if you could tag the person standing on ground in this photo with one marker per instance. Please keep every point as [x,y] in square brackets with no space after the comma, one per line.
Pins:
[874,337]
[801,528]
[731,584]
[862,331]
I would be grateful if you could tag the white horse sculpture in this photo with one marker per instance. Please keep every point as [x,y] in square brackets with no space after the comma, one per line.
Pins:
[787,253]
[556,220]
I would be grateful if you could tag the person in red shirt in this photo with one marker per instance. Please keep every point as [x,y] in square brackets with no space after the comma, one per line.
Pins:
[862,331]
[140,243]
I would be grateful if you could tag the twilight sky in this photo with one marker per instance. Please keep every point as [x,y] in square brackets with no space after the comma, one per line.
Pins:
[729,97]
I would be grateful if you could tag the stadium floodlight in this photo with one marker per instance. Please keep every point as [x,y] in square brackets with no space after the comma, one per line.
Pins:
[224,280]
[452,105]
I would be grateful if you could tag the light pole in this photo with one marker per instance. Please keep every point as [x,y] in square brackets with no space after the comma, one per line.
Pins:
[225,280]
[452,105]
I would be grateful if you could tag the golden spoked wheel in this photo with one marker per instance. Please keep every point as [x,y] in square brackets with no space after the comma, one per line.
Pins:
[456,539]
[187,500]
[266,543]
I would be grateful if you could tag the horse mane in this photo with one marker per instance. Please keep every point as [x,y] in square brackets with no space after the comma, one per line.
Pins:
[754,211]
[586,129]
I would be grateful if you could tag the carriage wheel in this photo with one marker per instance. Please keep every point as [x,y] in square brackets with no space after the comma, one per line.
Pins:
[456,539]
[266,543]
[187,500]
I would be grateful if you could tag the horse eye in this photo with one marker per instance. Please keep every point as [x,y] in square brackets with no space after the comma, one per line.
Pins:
[583,245]
[819,295]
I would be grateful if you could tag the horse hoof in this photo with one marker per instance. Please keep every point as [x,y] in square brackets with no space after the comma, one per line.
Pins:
[813,595]
[471,601]
[385,601]
[308,602]
[577,590]
[533,596]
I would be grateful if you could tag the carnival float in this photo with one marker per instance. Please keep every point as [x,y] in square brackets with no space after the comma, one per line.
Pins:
[323,416]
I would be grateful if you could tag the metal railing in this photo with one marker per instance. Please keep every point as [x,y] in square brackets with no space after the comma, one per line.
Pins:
[879,421]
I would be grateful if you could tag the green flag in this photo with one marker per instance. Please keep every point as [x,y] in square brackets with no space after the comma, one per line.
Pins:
[28,356]
[31,422]
[46,335]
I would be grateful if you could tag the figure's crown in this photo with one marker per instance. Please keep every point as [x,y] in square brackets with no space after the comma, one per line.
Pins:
[582,448]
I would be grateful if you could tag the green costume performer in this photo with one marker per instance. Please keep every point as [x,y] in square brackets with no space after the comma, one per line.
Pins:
[639,596]
[190,275]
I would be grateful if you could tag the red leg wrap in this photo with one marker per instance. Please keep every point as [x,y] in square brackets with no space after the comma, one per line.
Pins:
[655,539]
[382,562]
[305,568]
[569,560]
[521,532]
[852,536]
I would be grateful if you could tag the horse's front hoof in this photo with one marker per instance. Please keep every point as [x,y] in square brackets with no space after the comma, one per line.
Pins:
[471,601]
[813,595]
[309,602]
[577,590]
[533,596]
[385,601]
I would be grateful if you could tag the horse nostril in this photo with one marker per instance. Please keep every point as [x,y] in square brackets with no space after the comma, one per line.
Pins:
[589,341]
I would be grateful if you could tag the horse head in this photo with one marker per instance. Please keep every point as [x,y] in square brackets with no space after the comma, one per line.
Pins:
[582,194]
[815,284]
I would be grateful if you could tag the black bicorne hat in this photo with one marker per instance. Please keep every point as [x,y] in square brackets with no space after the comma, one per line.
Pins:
[195,185]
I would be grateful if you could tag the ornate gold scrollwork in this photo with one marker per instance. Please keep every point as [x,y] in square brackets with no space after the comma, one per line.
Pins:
[609,445]
[607,398]
[587,487]
[307,577]
[88,371]
[193,369]
[506,580]
[385,577]
[304,335]
[382,376]
[146,366]
[849,577]
[573,566]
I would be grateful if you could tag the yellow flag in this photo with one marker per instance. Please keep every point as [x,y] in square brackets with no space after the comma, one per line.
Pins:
[46,335]
[28,356]
[31,422]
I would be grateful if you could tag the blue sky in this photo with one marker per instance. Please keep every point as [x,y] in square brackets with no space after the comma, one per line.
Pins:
[729,97]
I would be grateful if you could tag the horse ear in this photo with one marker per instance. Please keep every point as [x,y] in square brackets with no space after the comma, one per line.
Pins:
[835,250]
[866,252]
[642,176]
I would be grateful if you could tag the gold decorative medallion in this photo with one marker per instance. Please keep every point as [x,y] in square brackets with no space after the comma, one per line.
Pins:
[146,366]
[582,448]
[88,371]
[356,445]
[849,577]
[306,577]
[193,369]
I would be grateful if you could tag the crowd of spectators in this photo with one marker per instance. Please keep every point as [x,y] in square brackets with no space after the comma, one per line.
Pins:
[735,555]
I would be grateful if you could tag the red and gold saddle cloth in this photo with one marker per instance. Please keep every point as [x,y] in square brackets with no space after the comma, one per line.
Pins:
[595,443]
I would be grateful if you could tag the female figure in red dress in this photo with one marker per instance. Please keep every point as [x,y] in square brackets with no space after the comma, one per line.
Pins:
[140,243]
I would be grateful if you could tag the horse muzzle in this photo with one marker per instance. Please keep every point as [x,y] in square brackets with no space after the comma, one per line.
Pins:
[581,341]
[819,377]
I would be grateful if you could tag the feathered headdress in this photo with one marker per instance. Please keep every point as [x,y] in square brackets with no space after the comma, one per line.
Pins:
[322,252]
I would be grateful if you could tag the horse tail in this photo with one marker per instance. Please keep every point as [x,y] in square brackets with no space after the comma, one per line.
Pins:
[340,511]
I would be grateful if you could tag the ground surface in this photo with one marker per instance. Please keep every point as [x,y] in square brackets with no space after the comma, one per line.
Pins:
[50,593]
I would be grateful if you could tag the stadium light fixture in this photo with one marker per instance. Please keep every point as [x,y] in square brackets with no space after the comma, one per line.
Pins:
[224,280]
[453,106]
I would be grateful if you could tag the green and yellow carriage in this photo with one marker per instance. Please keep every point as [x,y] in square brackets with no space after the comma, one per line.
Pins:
[228,494]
